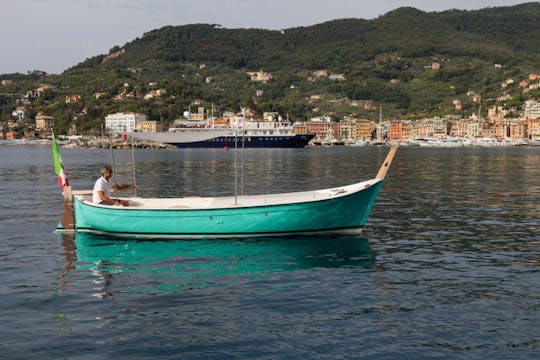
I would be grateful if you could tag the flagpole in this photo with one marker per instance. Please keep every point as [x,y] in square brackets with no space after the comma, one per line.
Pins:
[68,220]
[58,164]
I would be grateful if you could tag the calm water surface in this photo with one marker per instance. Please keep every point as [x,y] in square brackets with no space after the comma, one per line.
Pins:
[448,265]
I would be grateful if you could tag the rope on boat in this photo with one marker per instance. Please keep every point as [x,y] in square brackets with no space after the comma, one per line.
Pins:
[236,167]
[242,172]
[113,165]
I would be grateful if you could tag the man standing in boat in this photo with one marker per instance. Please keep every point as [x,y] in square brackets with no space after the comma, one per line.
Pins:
[102,189]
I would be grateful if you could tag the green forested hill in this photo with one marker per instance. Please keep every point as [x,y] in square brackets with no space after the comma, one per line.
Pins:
[494,34]
[386,60]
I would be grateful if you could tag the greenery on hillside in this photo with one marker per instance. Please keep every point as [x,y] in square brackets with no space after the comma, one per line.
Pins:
[387,61]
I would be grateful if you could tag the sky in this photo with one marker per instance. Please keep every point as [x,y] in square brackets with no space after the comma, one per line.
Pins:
[53,35]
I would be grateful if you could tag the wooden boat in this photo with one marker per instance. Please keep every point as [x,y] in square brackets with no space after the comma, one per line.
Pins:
[343,209]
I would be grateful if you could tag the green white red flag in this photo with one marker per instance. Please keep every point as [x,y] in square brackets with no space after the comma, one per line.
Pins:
[58,165]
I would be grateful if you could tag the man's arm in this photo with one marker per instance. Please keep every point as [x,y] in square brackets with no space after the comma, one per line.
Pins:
[124,186]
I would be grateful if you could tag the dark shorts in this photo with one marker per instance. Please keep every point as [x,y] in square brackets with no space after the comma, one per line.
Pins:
[107,204]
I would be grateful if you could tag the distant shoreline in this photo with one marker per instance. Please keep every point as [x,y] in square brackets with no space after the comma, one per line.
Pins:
[91,143]
[105,143]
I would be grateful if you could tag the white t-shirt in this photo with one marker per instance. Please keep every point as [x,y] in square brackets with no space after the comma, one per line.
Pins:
[101,185]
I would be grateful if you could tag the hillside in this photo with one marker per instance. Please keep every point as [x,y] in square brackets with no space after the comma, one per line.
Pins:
[412,63]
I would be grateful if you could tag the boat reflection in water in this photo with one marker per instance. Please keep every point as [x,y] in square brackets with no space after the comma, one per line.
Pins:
[161,266]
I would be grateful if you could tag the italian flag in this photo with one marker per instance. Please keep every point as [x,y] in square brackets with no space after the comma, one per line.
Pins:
[58,165]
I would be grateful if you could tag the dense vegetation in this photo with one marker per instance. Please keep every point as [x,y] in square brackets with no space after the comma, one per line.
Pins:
[386,60]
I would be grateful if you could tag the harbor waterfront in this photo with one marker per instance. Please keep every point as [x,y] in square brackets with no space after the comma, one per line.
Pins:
[118,142]
[447,266]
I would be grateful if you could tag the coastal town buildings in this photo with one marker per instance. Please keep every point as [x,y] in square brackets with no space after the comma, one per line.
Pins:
[347,130]
[496,113]
[153,94]
[44,122]
[19,113]
[300,128]
[120,123]
[365,130]
[351,130]
[517,130]
[197,116]
[320,126]
[12,135]
[396,130]
[261,76]
[532,109]
[72,99]
[149,126]
[533,129]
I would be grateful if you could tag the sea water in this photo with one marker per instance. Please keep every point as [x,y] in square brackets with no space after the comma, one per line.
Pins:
[448,265]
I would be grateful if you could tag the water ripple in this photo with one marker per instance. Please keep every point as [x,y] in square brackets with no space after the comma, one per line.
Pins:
[448,265]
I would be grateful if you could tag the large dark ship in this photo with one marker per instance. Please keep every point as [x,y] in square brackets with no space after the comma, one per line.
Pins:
[247,134]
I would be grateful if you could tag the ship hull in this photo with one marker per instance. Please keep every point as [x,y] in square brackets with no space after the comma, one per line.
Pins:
[296,141]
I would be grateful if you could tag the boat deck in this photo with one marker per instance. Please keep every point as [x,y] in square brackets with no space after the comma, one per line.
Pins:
[202,203]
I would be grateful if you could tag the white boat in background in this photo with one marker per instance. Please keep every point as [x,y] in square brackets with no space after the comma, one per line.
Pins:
[360,143]
[14,142]
[409,143]
[453,142]
[447,142]
[488,141]
[41,142]
[534,142]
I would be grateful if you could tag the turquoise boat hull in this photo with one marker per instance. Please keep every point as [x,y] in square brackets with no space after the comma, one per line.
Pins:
[339,214]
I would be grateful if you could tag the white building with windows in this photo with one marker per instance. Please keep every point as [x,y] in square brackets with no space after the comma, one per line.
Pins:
[532,109]
[121,123]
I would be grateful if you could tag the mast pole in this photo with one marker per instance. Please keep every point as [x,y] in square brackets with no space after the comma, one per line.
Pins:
[242,173]
[113,165]
[133,164]
[236,166]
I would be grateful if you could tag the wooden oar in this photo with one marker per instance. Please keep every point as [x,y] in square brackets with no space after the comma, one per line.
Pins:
[386,165]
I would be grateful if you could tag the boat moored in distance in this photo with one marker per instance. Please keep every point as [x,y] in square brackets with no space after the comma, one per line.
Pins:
[534,142]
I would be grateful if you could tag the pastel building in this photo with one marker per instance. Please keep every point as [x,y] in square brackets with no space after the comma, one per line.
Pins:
[44,122]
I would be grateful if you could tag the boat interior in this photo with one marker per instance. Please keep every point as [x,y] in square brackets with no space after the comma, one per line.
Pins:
[197,202]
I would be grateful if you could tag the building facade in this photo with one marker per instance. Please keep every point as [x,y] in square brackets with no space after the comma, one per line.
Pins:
[149,126]
[120,123]
[532,109]
[44,122]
